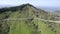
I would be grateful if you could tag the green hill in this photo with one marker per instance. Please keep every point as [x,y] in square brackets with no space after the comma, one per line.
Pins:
[28,26]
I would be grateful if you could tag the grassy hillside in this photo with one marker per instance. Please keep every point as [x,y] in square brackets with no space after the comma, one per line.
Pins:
[28,26]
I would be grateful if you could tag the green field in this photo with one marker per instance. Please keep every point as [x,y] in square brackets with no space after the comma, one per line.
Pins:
[20,27]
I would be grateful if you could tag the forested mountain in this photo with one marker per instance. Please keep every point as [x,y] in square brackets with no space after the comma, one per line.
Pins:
[27,26]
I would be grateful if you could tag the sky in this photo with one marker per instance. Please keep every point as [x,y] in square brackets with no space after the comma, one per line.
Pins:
[48,3]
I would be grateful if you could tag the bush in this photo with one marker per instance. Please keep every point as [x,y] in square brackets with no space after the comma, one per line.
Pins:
[4,27]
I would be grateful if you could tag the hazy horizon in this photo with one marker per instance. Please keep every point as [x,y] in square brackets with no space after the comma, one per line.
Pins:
[47,3]
[44,4]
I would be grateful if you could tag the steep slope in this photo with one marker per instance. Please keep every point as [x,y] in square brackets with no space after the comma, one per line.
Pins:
[27,26]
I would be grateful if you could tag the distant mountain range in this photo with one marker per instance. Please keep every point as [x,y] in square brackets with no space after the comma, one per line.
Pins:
[51,9]
[4,6]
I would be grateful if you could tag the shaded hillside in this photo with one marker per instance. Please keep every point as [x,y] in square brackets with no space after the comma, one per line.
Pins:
[25,7]
[15,8]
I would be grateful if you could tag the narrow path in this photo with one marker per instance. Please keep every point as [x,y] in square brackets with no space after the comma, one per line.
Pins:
[30,18]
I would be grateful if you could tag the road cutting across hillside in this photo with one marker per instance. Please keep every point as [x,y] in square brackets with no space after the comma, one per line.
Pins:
[30,18]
